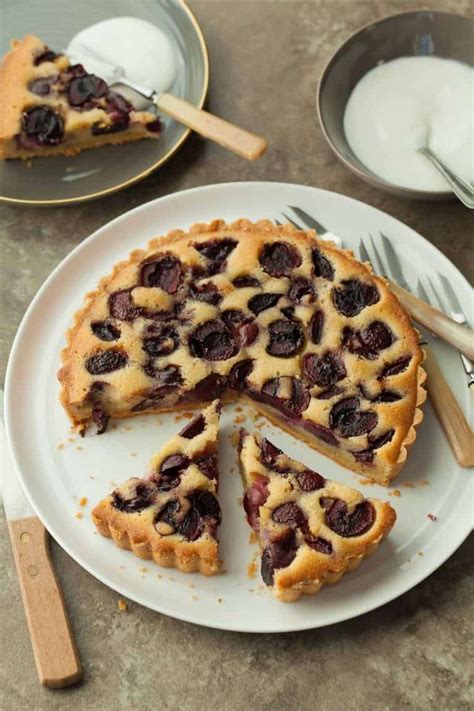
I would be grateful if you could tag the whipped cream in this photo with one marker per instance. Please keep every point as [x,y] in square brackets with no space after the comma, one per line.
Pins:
[144,51]
[406,103]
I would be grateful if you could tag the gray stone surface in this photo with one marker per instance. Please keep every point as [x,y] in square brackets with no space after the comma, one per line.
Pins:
[412,654]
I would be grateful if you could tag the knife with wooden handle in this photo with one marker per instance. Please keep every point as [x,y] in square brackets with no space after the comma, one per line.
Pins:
[54,649]
[461,337]
[450,415]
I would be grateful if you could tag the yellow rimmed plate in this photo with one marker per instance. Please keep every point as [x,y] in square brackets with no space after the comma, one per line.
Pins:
[95,173]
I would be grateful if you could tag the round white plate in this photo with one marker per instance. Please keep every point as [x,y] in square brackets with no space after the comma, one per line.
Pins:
[58,470]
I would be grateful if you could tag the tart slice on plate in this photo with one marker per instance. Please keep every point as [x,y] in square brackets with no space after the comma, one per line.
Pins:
[311,530]
[254,310]
[172,514]
[51,107]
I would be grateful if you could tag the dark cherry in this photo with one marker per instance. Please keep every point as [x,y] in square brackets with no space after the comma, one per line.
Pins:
[243,281]
[239,374]
[369,341]
[269,452]
[279,259]
[395,368]
[384,396]
[209,388]
[208,293]
[212,341]
[324,370]
[174,464]
[168,482]
[105,331]
[216,250]
[261,302]
[116,103]
[347,420]
[316,327]
[169,376]
[120,122]
[346,524]
[121,305]
[139,500]
[321,432]
[319,544]
[278,554]
[100,418]
[233,318]
[290,514]
[276,390]
[165,272]
[83,89]
[353,296]
[43,125]
[194,428]
[301,288]
[254,497]
[288,312]
[286,338]
[192,525]
[328,393]
[241,327]
[46,56]
[154,126]
[42,86]
[385,438]
[322,265]
[208,466]
[171,513]
[106,362]
[163,343]
[208,506]
[310,481]
[365,456]
[247,334]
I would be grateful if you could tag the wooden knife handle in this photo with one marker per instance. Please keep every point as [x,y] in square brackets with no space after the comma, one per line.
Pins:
[461,337]
[55,653]
[236,139]
[450,415]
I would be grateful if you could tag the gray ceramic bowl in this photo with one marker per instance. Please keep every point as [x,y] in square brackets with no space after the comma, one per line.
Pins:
[409,33]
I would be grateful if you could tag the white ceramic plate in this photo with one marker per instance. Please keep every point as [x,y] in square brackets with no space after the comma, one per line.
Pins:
[56,473]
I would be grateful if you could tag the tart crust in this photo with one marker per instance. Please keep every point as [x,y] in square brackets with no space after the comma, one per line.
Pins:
[136,530]
[309,569]
[127,387]
[17,70]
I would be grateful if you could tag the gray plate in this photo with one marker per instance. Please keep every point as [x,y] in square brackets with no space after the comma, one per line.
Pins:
[94,173]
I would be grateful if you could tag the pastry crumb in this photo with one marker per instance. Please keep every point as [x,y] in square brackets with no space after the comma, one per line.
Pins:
[188,415]
[219,599]
[78,515]
[79,448]
[432,517]
[91,476]
[239,419]
[191,585]
[128,428]
[252,569]
[239,409]
[122,605]
[395,492]
[408,484]
[83,501]
[420,553]
[71,440]
[60,445]
[133,454]
[143,569]
[234,438]
[424,482]
[253,537]
[194,598]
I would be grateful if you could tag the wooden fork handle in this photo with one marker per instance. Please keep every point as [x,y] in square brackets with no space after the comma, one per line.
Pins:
[450,415]
[461,337]
[55,653]
[236,139]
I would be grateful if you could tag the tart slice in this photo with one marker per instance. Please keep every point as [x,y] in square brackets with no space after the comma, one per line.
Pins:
[311,530]
[50,106]
[172,514]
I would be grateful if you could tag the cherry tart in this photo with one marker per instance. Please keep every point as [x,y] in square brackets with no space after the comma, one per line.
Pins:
[52,107]
[311,530]
[172,515]
[308,334]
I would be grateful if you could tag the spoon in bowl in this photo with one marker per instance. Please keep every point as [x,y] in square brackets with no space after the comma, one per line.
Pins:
[460,187]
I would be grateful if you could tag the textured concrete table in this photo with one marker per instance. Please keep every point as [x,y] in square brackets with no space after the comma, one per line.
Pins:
[412,654]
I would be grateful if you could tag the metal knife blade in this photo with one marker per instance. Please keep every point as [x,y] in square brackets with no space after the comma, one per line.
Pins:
[15,503]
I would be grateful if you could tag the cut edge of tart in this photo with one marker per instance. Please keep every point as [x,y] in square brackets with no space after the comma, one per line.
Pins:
[381,365]
[172,514]
[311,529]
[51,107]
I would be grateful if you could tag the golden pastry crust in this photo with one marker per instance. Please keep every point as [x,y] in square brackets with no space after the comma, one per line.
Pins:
[17,71]
[299,555]
[134,514]
[385,403]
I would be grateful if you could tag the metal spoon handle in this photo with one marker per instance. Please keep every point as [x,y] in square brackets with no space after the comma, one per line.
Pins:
[460,187]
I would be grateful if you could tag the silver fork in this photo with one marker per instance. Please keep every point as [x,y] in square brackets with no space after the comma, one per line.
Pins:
[450,305]
[452,331]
